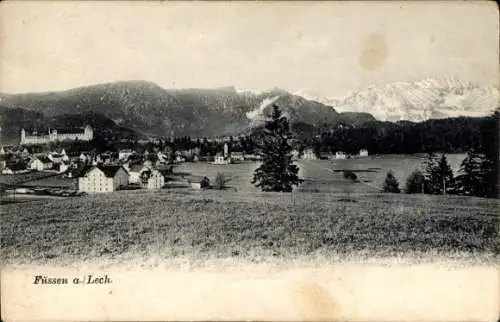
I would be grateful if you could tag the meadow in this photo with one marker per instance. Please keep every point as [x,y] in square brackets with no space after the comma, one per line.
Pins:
[211,224]
[325,175]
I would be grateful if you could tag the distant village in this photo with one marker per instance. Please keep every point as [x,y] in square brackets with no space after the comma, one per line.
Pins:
[108,171]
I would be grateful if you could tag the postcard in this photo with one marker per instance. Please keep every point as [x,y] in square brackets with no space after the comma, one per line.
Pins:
[270,161]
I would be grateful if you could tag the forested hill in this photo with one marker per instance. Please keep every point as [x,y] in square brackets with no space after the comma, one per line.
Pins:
[150,110]
[459,134]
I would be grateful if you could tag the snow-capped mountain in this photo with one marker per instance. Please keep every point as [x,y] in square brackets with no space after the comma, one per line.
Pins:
[418,101]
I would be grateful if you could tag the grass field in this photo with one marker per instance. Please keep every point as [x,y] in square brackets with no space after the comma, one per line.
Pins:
[220,224]
[325,175]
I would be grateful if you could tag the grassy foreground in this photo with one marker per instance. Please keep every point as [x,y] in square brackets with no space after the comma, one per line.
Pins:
[213,224]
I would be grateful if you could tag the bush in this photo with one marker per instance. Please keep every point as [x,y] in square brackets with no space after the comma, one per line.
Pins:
[221,181]
[350,175]
[391,184]
[415,182]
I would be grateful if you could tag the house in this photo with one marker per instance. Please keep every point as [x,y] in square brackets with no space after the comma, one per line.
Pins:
[65,157]
[125,154]
[84,158]
[309,154]
[3,161]
[152,179]
[339,155]
[179,158]
[62,167]
[221,159]
[199,182]
[99,179]
[14,168]
[55,157]
[363,153]
[135,171]
[237,156]
[40,163]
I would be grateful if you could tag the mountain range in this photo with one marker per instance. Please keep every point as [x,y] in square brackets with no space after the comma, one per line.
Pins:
[149,110]
[146,109]
[417,101]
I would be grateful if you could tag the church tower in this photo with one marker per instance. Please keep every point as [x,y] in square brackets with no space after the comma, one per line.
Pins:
[89,132]
[23,136]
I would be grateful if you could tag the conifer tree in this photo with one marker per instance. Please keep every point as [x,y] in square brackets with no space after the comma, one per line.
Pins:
[438,174]
[391,184]
[443,175]
[277,172]
[415,182]
[469,180]
[429,167]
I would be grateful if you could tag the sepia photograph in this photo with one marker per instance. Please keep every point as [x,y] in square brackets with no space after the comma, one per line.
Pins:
[256,160]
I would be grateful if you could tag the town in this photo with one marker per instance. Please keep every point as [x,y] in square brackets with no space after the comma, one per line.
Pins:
[33,168]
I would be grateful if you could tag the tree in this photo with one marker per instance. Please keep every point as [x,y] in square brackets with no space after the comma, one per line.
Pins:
[443,175]
[221,181]
[438,174]
[415,182]
[429,166]
[469,180]
[391,184]
[277,172]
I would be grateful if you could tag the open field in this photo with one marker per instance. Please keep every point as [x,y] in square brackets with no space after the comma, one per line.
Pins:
[324,175]
[205,225]
[53,181]
[15,179]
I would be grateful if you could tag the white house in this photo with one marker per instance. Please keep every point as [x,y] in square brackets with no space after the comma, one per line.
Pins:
[40,163]
[220,159]
[363,153]
[340,155]
[84,158]
[309,154]
[62,167]
[199,182]
[56,158]
[152,179]
[237,156]
[135,171]
[99,179]
[125,154]
[65,156]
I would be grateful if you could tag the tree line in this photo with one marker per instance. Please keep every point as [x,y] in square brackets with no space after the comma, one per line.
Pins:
[477,176]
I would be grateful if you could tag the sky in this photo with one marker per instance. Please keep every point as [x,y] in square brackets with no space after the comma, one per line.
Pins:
[327,48]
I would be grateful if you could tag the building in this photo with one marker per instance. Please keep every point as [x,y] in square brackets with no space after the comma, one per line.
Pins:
[40,163]
[84,158]
[3,161]
[152,179]
[57,158]
[237,156]
[125,154]
[309,155]
[14,168]
[62,167]
[100,179]
[220,159]
[363,153]
[199,182]
[340,155]
[54,135]
[135,172]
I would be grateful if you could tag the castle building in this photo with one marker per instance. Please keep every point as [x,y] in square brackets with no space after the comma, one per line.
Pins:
[54,135]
